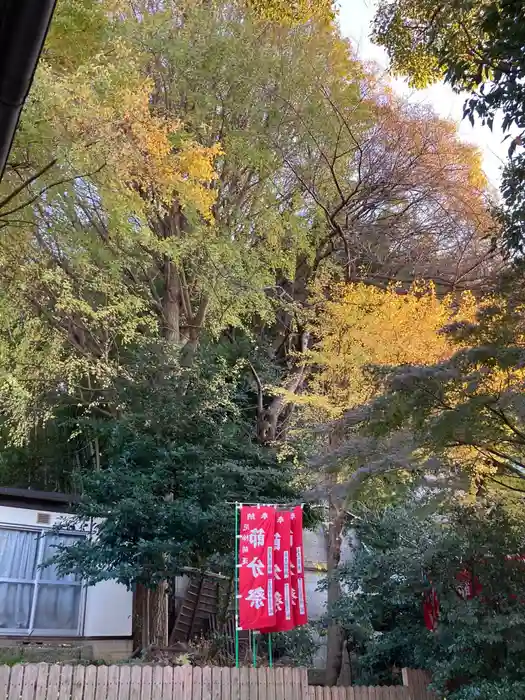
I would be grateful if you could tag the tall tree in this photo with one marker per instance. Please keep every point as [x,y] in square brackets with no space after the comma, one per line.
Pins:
[72,227]
[475,47]
[182,433]
[394,196]
[364,326]
[281,119]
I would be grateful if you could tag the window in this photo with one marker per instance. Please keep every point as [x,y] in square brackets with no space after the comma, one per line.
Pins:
[35,600]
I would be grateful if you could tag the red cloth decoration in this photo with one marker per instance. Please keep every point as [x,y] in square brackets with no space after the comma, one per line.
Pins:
[431,610]
[284,619]
[470,586]
[298,590]
[256,567]
[278,573]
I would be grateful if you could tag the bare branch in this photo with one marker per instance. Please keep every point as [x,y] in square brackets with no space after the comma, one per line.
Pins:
[349,487]
[27,182]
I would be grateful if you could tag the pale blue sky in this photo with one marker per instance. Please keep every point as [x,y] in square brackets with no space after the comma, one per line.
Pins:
[355,18]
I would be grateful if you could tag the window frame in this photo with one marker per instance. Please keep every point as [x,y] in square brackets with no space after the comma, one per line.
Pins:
[35,583]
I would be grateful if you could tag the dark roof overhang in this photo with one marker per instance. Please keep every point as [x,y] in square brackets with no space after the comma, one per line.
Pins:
[23,29]
[38,500]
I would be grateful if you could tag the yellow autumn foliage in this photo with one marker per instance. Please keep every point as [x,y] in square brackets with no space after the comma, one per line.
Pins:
[103,110]
[293,11]
[364,325]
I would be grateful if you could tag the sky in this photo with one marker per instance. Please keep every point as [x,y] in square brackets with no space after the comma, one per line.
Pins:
[355,19]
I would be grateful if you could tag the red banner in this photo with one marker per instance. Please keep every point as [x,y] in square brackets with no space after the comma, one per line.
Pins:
[298,590]
[256,567]
[468,586]
[284,619]
[431,610]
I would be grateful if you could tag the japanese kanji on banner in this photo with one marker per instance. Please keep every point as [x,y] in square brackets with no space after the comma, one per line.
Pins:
[272,595]
[282,542]
[256,567]
[298,590]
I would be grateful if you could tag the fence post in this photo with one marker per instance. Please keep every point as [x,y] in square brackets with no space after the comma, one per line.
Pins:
[417,681]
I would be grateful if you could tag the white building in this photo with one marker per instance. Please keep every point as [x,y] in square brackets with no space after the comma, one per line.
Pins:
[37,605]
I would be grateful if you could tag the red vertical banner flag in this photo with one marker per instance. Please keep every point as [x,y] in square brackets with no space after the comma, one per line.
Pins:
[298,590]
[256,567]
[431,610]
[284,620]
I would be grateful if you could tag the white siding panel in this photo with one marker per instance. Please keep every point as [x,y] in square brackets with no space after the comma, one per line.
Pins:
[108,610]
[316,600]
[25,516]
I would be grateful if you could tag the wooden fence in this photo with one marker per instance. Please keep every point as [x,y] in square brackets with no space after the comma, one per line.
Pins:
[137,682]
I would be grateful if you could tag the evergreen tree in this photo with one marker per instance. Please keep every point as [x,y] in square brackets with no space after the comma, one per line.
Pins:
[406,552]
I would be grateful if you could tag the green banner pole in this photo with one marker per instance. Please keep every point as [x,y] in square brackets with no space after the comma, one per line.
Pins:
[236,586]
[270,650]
[254,645]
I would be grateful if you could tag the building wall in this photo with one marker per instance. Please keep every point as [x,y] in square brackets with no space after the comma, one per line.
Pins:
[108,605]
[108,610]
[314,543]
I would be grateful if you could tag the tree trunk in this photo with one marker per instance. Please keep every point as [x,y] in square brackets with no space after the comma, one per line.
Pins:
[345,677]
[138,619]
[179,326]
[150,617]
[158,615]
[171,304]
[335,635]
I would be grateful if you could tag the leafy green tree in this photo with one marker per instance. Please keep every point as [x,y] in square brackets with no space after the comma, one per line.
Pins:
[173,461]
[467,411]
[135,233]
[477,647]
[361,326]
[191,191]
[430,41]
[77,261]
